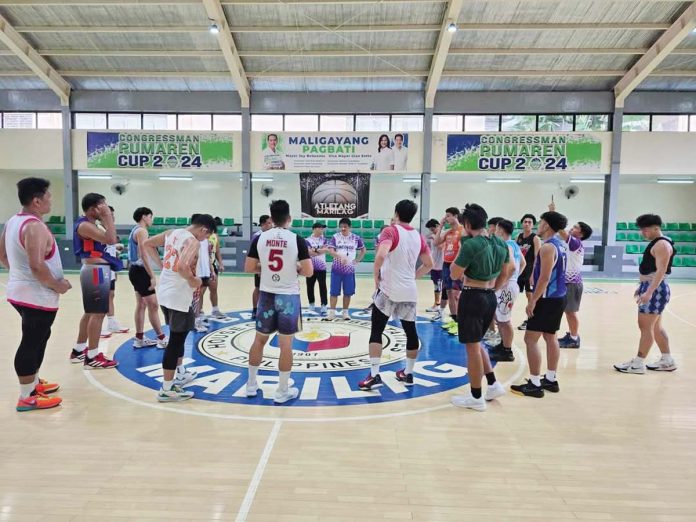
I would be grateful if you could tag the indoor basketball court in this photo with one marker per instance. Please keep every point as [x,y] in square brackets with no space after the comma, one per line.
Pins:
[184,163]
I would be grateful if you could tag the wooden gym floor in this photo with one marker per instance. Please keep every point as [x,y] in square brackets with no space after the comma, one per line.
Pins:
[608,447]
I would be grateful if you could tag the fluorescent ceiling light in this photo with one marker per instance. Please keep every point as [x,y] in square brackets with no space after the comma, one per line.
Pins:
[176,178]
[262,178]
[504,180]
[676,181]
[94,176]
[410,180]
[451,27]
[587,180]
[213,28]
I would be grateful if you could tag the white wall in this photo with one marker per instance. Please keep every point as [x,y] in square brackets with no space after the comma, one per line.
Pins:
[9,204]
[31,149]
[658,153]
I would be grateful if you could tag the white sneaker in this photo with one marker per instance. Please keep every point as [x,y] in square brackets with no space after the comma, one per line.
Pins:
[200,326]
[433,309]
[662,365]
[491,336]
[323,310]
[630,367]
[176,394]
[162,343]
[283,396]
[331,316]
[105,334]
[437,317]
[468,401]
[182,379]
[115,327]
[345,315]
[311,307]
[217,314]
[494,391]
[252,390]
[145,342]
[444,318]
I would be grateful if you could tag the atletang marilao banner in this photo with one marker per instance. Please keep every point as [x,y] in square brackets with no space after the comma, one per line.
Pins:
[158,150]
[347,151]
[335,195]
[537,152]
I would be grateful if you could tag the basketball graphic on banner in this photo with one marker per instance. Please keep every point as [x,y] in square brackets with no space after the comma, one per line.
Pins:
[335,191]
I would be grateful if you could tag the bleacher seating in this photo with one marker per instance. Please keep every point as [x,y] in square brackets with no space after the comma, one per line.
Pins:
[683,234]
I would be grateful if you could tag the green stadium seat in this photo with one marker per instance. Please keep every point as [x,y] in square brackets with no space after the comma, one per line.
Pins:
[158,221]
[379,223]
[689,238]
[58,230]
[182,221]
[621,236]
[357,223]
[331,231]
[678,261]
[671,226]
[332,223]
[642,247]
[690,262]
[689,250]
[685,227]
[369,257]
[632,249]
[370,244]
[621,225]
[296,223]
[367,223]
[54,219]
[632,226]
[228,222]
[322,221]
[636,238]
[170,221]
[368,234]
[307,223]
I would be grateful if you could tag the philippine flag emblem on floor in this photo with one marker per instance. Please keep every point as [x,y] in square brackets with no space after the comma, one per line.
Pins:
[316,339]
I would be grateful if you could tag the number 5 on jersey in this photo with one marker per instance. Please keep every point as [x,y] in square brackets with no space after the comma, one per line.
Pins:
[275,260]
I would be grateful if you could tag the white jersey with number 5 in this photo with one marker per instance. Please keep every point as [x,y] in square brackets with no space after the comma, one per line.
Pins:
[173,291]
[278,251]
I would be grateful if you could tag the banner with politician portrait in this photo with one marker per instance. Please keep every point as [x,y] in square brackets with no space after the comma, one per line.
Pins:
[380,152]
[335,194]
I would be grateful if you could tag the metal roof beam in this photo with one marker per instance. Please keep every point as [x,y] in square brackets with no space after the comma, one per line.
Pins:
[197,2]
[229,50]
[664,45]
[444,40]
[16,43]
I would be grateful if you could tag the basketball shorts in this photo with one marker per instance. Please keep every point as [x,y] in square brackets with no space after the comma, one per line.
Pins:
[573,297]
[436,278]
[95,281]
[178,321]
[140,280]
[506,298]
[278,313]
[342,283]
[205,281]
[474,314]
[447,282]
[524,284]
[403,311]
[659,300]
[548,313]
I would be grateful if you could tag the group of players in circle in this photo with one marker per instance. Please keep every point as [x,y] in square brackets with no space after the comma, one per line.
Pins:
[477,268]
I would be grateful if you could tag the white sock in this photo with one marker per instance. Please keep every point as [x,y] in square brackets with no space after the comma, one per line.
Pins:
[536,380]
[410,363]
[80,347]
[283,380]
[551,375]
[215,309]
[253,370]
[167,385]
[666,357]
[25,390]
[181,369]
[639,360]
[92,352]
[374,365]
[574,337]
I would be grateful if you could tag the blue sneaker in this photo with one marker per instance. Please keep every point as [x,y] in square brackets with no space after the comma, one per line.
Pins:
[568,342]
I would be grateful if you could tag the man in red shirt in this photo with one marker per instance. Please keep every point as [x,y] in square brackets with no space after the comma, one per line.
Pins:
[449,241]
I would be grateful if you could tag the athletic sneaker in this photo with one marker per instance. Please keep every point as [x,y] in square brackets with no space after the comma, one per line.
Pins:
[468,401]
[436,318]
[345,315]
[501,354]
[371,382]
[145,342]
[100,362]
[77,357]
[217,314]
[491,336]
[523,326]
[311,307]
[332,315]
[550,386]
[568,342]
[494,391]
[252,390]
[631,366]
[182,379]
[323,311]
[454,329]
[38,401]
[406,378]
[200,327]
[115,327]
[44,387]
[432,309]
[105,334]
[176,394]
[528,389]
[283,396]
[662,365]
[446,325]
[443,318]
[162,343]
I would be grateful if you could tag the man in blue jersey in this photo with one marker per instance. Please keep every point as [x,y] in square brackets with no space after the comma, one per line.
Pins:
[545,307]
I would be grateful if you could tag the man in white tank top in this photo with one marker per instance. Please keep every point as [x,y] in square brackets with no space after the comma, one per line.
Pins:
[175,291]
[29,251]
[400,249]
[279,256]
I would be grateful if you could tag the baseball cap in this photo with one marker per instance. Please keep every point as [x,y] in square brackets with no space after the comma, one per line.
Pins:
[318,225]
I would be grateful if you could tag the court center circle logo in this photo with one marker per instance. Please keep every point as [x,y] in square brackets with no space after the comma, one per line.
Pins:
[329,359]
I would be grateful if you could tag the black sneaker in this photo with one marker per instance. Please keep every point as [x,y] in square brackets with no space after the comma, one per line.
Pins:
[523,326]
[370,383]
[406,378]
[551,386]
[501,354]
[528,389]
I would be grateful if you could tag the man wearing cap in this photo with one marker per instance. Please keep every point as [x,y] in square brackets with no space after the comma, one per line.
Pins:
[316,243]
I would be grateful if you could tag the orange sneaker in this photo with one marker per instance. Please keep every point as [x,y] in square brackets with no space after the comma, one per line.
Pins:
[39,401]
[46,387]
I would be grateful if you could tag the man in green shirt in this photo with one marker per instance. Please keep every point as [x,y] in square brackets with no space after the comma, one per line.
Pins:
[482,260]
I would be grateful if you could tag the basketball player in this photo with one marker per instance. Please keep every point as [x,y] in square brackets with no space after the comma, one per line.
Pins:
[175,292]
[90,245]
[347,250]
[433,227]
[492,336]
[484,261]
[111,324]
[506,295]
[265,224]
[652,296]
[575,251]
[395,275]
[545,308]
[530,244]
[316,243]
[29,251]
[204,271]
[144,283]
[218,267]
[278,255]
[449,240]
